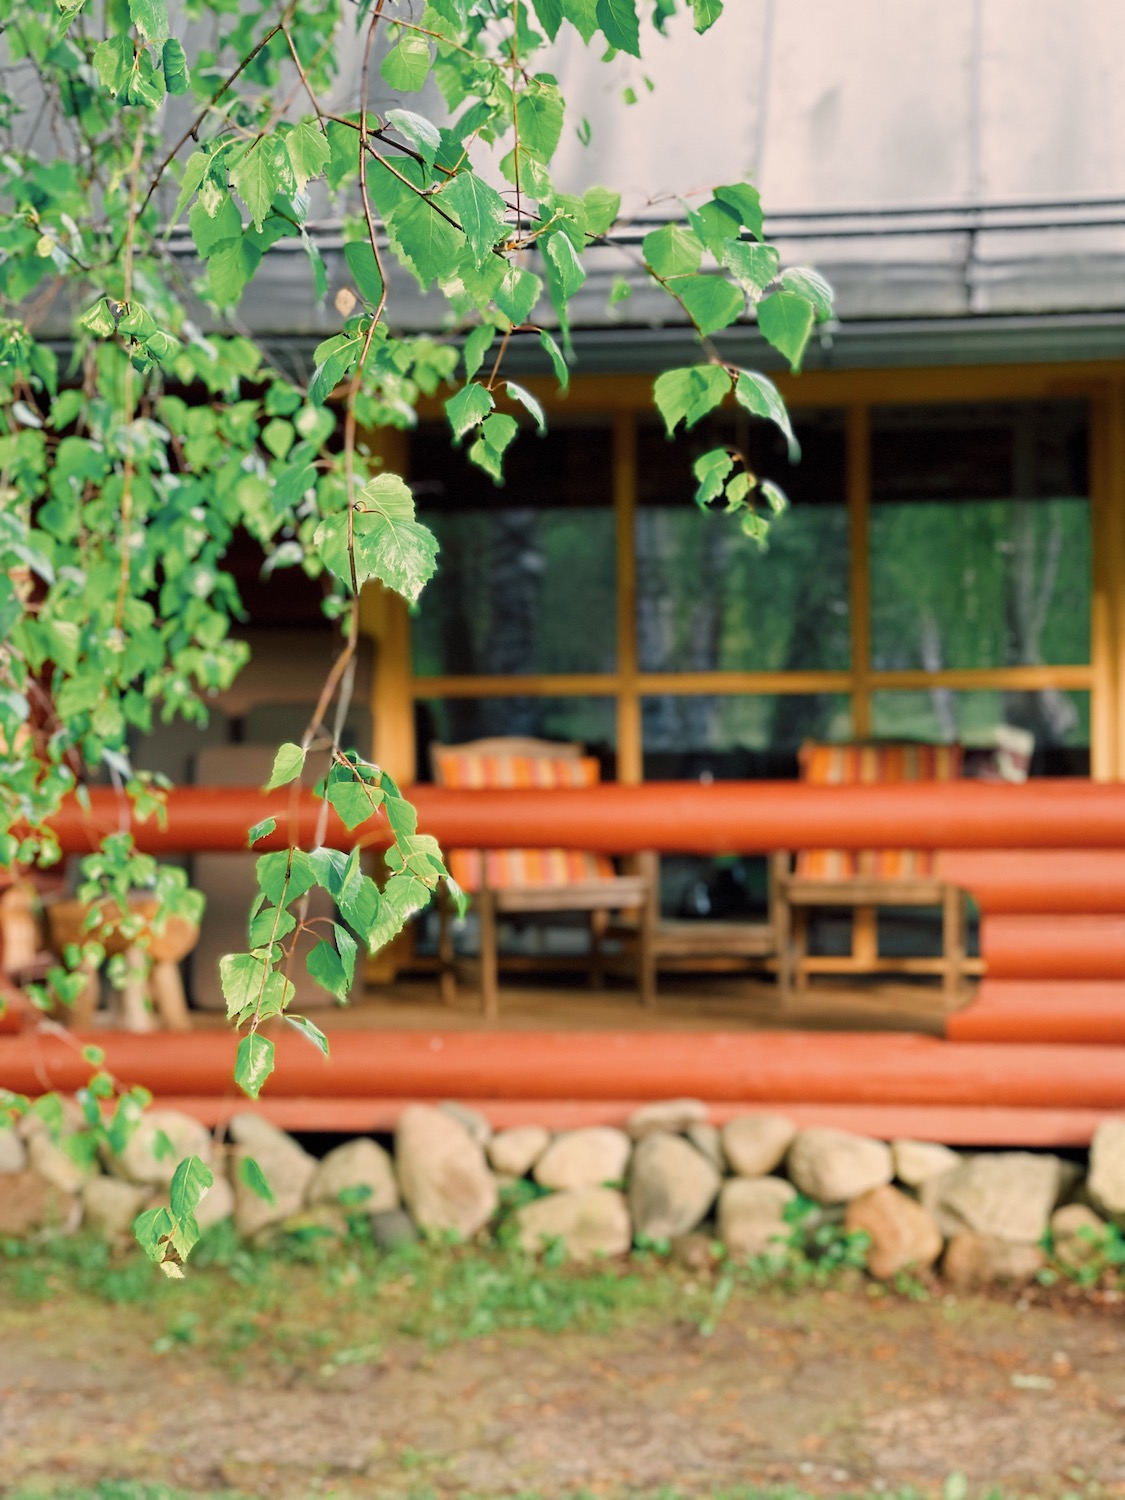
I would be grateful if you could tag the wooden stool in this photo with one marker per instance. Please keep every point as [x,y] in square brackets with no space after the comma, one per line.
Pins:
[152,958]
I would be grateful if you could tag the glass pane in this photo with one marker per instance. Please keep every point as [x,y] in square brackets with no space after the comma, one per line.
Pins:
[707,597]
[736,738]
[526,580]
[590,721]
[980,537]
[1060,722]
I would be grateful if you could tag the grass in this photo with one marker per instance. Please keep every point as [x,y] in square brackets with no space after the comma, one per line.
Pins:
[128,1490]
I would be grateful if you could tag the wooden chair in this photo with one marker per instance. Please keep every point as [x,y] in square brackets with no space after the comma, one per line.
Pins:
[866,880]
[534,880]
[687,942]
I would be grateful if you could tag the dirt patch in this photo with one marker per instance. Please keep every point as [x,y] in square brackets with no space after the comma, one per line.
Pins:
[833,1391]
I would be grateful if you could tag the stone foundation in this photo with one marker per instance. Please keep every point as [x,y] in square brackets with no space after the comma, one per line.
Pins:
[758,1187]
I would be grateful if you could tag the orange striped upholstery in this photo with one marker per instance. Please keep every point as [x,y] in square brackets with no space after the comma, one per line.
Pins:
[873,765]
[514,869]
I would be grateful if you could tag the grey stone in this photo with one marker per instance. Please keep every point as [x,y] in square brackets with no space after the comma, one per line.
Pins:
[751,1216]
[755,1145]
[472,1120]
[514,1152]
[902,1234]
[671,1187]
[1106,1180]
[52,1160]
[28,1203]
[355,1166]
[589,1221]
[834,1166]
[709,1140]
[917,1162]
[1078,1235]
[1006,1196]
[977,1260]
[145,1157]
[584,1158]
[110,1205]
[286,1166]
[393,1228]
[442,1172]
[13,1152]
[670,1116]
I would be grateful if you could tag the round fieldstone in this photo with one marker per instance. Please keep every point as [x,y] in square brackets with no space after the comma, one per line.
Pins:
[584,1158]
[751,1216]
[978,1260]
[158,1143]
[902,1234]
[358,1167]
[671,1187]
[833,1166]
[666,1116]
[917,1162]
[442,1172]
[1106,1182]
[590,1222]
[1008,1195]
[755,1145]
[515,1151]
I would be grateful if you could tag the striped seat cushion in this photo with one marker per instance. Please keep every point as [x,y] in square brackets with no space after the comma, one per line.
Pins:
[873,765]
[517,869]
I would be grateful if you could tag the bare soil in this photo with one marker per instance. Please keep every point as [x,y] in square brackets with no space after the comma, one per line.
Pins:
[833,1391]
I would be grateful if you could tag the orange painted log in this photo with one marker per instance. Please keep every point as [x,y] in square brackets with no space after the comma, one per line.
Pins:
[1051,883]
[956,1126]
[13,1012]
[683,817]
[781,1067]
[1042,1010]
[1054,947]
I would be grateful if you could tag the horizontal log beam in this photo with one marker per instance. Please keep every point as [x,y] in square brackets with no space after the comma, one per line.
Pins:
[776,1068]
[736,817]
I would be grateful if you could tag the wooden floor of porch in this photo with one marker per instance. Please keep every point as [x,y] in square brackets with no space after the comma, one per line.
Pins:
[684,1003]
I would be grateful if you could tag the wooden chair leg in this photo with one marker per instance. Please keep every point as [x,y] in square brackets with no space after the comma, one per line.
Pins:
[490,1000]
[799,949]
[647,918]
[168,996]
[599,921]
[953,941]
[447,972]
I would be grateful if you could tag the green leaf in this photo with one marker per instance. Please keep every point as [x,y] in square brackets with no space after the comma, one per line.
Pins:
[152,1230]
[689,394]
[754,266]
[288,764]
[229,267]
[190,1181]
[517,294]
[468,407]
[477,346]
[705,13]
[113,63]
[746,203]
[388,543]
[365,270]
[712,302]
[563,261]
[255,1179]
[194,172]
[618,20]
[422,134]
[359,905]
[270,925]
[711,470]
[774,496]
[311,1032]
[256,179]
[334,359]
[550,15]
[424,240]
[308,151]
[672,251]
[150,17]
[786,320]
[583,14]
[325,969]
[762,398]
[528,402]
[253,1063]
[539,113]
[353,801]
[174,62]
[480,208]
[242,977]
[550,347]
[809,284]
[319,269]
[407,65]
[496,433]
